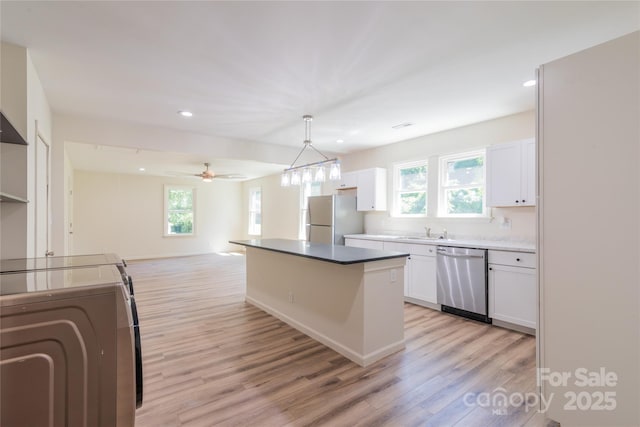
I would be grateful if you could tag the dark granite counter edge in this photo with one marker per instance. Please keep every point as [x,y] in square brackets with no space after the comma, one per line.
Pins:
[334,261]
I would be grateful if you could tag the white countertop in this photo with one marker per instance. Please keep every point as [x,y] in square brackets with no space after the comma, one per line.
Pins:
[503,245]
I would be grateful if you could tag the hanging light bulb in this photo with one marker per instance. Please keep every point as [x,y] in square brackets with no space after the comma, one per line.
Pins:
[319,176]
[285,179]
[295,177]
[306,175]
[334,171]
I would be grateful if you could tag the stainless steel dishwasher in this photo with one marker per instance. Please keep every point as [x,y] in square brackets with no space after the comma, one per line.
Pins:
[462,282]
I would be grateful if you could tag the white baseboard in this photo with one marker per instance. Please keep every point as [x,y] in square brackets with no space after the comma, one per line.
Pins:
[361,359]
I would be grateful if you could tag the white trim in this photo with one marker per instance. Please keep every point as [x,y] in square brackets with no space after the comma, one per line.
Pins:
[41,137]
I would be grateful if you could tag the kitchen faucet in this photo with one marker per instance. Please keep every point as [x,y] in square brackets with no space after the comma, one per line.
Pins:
[428,230]
[444,233]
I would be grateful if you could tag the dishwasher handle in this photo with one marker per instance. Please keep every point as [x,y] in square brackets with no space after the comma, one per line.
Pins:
[443,252]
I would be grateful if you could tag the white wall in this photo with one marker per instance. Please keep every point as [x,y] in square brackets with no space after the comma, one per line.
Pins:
[125,214]
[467,138]
[13,170]
[280,208]
[24,103]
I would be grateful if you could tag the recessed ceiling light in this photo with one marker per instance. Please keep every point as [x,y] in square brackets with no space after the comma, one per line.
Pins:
[402,125]
[185,113]
[529,83]
[141,169]
[339,141]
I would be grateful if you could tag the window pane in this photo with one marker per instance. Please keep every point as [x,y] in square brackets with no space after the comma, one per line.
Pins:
[414,178]
[180,199]
[180,223]
[413,203]
[464,201]
[468,171]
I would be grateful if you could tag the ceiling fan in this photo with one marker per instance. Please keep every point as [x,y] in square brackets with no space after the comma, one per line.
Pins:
[208,175]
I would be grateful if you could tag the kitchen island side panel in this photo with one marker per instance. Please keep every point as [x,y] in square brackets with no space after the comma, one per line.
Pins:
[342,306]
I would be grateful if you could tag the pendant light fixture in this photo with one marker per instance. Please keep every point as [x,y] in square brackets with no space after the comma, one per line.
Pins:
[311,172]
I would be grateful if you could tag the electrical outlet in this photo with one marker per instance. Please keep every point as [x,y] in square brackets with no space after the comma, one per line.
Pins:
[394,275]
[291,297]
[506,224]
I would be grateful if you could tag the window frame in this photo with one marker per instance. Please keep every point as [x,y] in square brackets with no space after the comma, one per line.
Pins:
[442,170]
[397,167]
[254,229]
[165,225]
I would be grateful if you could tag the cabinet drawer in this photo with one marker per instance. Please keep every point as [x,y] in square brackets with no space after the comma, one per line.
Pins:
[428,250]
[515,259]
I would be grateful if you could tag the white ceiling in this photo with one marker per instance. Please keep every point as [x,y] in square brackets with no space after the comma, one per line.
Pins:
[249,70]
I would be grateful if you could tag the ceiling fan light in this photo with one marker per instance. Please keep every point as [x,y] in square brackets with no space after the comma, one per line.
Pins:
[207,179]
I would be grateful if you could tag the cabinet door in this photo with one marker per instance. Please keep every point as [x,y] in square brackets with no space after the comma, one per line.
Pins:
[512,295]
[372,189]
[503,174]
[348,180]
[422,278]
[528,184]
[362,243]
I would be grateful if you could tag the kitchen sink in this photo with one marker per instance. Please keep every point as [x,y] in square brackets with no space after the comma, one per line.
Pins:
[419,238]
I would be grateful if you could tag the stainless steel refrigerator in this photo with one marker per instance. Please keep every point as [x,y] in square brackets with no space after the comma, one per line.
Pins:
[329,218]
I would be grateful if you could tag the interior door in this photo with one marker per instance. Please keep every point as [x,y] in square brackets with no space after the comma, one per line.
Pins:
[69,190]
[41,197]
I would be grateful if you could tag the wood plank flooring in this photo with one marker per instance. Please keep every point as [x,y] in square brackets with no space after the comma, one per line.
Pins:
[211,359]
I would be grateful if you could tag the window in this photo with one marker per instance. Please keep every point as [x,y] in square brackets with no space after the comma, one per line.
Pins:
[179,203]
[306,190]
[410,189]
[462,185]
[255,211]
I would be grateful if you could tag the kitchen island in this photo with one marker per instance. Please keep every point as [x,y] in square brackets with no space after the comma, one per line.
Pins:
[349,299]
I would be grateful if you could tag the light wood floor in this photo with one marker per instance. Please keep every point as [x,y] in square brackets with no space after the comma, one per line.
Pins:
[211,359]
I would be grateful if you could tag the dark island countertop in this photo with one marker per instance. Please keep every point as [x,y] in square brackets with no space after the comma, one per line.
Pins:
[337,254]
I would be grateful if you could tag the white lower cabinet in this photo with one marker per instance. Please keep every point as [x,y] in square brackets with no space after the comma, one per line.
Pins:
[422,278]
[512,288]
[420,271]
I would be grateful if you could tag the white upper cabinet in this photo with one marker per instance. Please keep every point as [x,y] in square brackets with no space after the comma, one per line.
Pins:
[372,189]
[348,180]
[511,174]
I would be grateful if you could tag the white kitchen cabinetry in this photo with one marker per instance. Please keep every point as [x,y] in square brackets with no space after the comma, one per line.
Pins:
[363,243]
[511,174]
[372,189]
[348,180]
[420,272]
[512,288]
